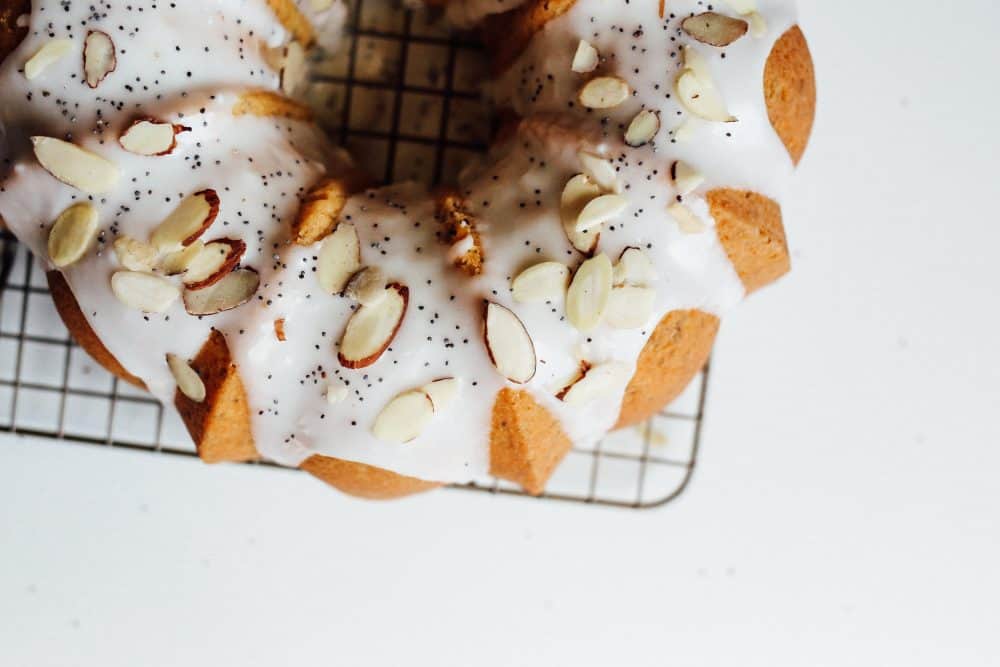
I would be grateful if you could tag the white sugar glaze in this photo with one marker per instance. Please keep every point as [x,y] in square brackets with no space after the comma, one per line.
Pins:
[261,167]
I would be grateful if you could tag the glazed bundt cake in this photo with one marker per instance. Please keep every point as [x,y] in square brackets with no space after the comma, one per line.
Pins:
[205,241]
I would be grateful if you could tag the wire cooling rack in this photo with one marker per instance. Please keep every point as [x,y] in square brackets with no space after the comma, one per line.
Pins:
[403,96]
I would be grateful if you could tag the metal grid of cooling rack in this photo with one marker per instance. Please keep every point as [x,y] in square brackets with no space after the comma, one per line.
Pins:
[402,95]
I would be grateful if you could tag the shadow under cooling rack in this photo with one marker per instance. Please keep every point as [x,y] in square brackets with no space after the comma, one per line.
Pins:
[403,96]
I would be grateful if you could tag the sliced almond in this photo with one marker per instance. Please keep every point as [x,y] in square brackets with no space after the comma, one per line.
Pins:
[293,68]
[215,260]
[586,59]
[134,254]
[442,392]
[685,177]
[634,268]
[599,210]
[187,222]
[687,221]
[150,137]
[598,381]
[336,392]
[599,170]
[371,329]
[339,258]
[99,59]
[75,166]
[542,282]
[145,292]
[643,128]
[51,52]
[687,130]
[758,26]
[367,286]
[232,291]
[569,381]
[508,344]
[579,192]
[604,92]
[714,29]
[697,90]
[404,418]
[72,233]
[188,381]
[630,307]
[588,294]
[178,262]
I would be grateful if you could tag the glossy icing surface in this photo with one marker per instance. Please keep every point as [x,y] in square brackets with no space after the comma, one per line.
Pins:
[262,167]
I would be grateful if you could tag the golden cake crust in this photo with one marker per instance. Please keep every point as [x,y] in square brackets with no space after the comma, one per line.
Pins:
[677,350]
[77,325]
[790,91]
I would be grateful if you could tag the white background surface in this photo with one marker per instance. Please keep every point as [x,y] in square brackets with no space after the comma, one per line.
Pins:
[845,509]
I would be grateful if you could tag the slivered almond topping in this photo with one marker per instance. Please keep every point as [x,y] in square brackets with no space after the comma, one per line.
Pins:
[579,192]
[630,307]
[599,170]
[215,260]
[634,268]
[187,222]
[145,292]
[685,177]
[697,90]
[589,293]
[643,128]
[442,392]
[51,52]
[336,392]
[604,92]
[508,344]
[576,376]
[404,418]
[135,255]
[597,382]
[75,166]
[72,233]
[371,329]
[151,138]
[279,330]
[542,282]
[758,26]
[599,210]
[293,68]
[586,59]
[188,381]
[714,29]
[178,262]
[685,131]
[99,59]
[339,258]
[232,291]
[367,286]
[687,221]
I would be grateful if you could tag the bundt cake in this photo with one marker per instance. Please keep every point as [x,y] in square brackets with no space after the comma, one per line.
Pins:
[205,241]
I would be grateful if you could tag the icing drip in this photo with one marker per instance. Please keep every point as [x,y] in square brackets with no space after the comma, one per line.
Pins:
[303,400]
